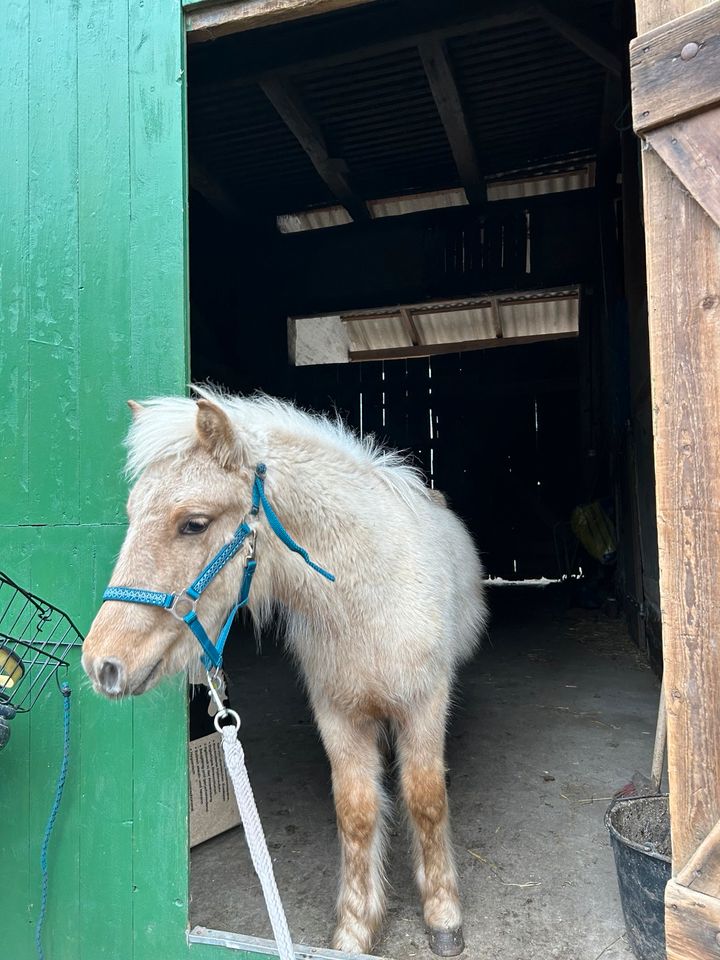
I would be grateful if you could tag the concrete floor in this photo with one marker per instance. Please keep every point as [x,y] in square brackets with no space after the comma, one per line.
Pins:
[553,715]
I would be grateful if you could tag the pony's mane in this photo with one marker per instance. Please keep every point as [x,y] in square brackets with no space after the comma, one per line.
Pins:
[166,428]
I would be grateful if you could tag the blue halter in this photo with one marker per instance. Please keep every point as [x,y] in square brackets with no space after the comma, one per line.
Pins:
[183,605]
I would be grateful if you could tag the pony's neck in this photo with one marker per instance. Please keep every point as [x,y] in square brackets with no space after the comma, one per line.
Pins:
[298,490]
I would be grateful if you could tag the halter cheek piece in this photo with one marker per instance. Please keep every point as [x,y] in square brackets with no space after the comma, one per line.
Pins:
[182,605]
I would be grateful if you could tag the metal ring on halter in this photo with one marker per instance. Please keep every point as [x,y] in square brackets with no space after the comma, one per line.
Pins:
[222,714]
[183,597]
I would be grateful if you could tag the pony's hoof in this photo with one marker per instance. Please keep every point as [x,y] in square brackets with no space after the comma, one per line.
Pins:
[447,943]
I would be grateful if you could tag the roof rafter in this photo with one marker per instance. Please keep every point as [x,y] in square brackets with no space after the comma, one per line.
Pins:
[411,327]
[298,119]
[350,44]
[448,101]
[561,17]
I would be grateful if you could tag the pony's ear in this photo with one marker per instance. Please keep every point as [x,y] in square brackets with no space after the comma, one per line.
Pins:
[135,408]
[217,435]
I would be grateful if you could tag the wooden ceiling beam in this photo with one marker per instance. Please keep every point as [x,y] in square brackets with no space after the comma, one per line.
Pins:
[333,170]
[439,73]
[341,44]
[411,327]
[497,318]
[208,20]
[561,17]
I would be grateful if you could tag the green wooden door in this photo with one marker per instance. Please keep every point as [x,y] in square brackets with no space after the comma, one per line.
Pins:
[93,310]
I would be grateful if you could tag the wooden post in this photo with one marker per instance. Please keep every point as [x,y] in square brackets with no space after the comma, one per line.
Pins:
[683,268]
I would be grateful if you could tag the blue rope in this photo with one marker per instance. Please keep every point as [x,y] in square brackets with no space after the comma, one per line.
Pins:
[65,688]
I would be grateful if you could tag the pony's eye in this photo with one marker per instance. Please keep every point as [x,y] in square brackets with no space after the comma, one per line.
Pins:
[195,525]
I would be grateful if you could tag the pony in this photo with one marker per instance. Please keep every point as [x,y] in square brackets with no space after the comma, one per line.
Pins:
[378,648]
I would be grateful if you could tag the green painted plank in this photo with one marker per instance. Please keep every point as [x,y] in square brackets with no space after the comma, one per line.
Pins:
[15,781]
[105,929]
[104,255]
[158,198]
[158,316]
[58,583]
[206,951]
[53,273]
[14,65]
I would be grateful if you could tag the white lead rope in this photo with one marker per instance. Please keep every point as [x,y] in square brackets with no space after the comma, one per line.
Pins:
[235,762]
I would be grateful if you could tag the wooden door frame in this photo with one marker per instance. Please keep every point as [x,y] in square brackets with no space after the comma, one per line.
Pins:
[676,110]
[210,19]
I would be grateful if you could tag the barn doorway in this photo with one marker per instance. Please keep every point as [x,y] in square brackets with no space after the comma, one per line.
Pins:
[427,218]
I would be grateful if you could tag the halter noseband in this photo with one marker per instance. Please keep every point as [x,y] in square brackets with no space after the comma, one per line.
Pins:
[176,603]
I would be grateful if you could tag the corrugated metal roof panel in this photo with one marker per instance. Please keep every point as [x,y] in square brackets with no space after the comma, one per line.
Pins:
[456,326]
[313,219]
[378,333]
[578,179]
[539,317]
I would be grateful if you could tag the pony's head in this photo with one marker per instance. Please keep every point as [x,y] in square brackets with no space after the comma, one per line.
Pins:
[193,488]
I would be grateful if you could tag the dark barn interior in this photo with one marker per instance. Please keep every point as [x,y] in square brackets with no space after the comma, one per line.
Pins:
[428,217]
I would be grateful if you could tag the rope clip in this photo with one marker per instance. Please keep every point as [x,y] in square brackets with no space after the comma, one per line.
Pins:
[223,712]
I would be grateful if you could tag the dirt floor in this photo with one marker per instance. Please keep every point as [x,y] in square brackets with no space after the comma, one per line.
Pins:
[553,715]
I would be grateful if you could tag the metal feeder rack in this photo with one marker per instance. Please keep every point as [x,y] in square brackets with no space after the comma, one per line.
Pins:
[35,639]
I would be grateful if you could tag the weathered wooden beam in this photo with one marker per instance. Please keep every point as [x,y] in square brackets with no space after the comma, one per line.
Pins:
[432,349]
[692,924]
[334,171]
[448,101]
[702,871]
[208,19]
[675,69]
[214,192]
[497,319]
[561,17]
[347,44]
[676,99]
[683,266]
[411,327]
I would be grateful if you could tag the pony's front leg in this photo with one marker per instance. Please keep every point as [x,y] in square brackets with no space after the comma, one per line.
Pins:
[421,746]
[352,746]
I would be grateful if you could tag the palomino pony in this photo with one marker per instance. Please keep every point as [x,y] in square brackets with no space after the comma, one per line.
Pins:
[378,647]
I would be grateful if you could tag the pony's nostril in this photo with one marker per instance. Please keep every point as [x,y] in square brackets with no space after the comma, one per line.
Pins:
[111,675]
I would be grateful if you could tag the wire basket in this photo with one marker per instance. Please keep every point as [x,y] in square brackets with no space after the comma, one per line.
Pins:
[35,639]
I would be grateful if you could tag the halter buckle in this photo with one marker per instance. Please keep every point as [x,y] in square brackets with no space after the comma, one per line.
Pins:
[188,605]
[252,537]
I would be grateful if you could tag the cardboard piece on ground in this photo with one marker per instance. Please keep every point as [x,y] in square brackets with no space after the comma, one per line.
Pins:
[213,808]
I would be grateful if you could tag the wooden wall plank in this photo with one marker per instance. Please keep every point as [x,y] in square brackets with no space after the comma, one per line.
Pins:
[58,583]
[53,265]
[14,312]
[94,292]
[692,921]
[17,784]
[104,253]
[103,747]
[159,358]
[683,264]
[690,147]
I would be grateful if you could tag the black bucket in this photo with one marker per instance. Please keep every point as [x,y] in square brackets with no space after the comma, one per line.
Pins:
[640,838]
